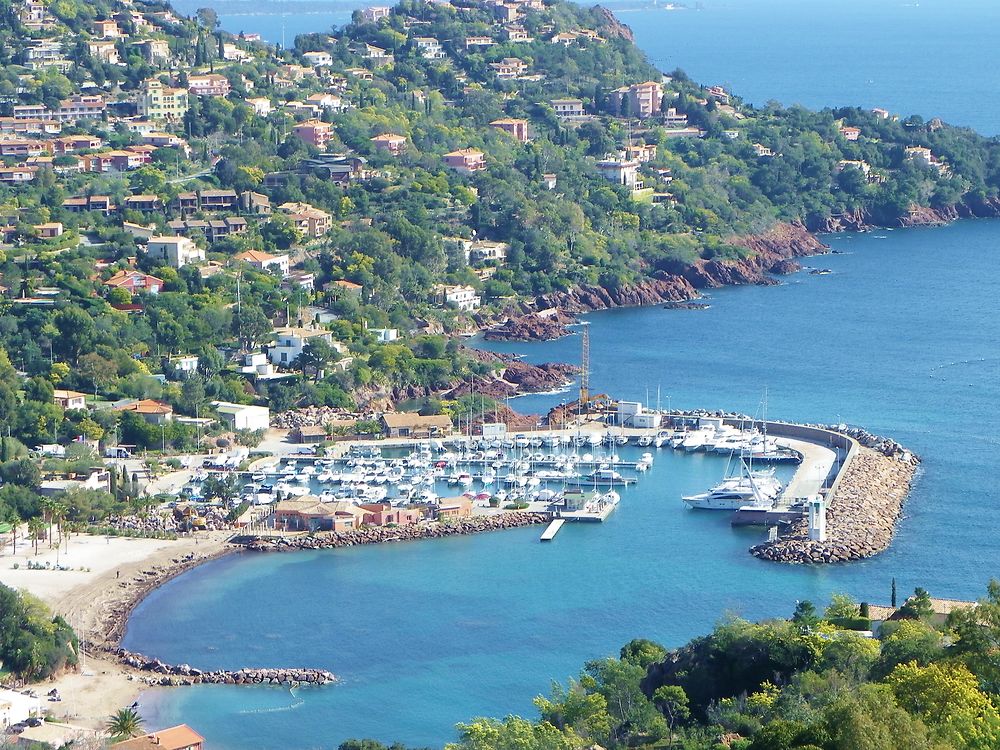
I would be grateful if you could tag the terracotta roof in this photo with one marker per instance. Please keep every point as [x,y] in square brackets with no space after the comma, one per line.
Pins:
[58,393]
[147,406]
[255,256]
[174,738]
[121,277]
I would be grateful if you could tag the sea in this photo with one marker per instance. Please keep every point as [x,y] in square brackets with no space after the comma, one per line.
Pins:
[901,337]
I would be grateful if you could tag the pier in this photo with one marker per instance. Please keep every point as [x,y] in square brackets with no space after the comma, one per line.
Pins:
[551,530]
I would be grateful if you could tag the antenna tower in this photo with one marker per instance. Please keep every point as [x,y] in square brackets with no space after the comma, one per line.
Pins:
[585,366]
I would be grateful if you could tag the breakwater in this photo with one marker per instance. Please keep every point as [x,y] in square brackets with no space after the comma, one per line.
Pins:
[383,534]
[173,675]
[862,515]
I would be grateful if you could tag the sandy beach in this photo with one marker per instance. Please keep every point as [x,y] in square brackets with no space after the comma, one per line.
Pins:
[107,577]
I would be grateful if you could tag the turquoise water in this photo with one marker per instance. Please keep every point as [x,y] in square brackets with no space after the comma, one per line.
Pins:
[900,337]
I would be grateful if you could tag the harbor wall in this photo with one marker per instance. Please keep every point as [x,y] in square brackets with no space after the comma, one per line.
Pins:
[844,445]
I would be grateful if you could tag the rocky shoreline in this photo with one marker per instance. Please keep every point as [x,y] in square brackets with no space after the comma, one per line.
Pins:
[769,253]
[861,518]
[383,534]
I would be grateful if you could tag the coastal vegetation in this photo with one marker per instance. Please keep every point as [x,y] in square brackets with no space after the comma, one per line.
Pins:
[34,643]
[816,681]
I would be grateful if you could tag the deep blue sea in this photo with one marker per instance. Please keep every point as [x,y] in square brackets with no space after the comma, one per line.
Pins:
[903,338]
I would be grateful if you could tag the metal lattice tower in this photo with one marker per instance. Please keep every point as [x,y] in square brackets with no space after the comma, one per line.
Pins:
[585,366]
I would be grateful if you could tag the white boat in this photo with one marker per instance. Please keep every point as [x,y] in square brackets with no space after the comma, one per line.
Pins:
[645,441]
[749,488]
[697,440]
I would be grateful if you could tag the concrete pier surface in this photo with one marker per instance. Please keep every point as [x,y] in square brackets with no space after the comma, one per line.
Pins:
[811,475]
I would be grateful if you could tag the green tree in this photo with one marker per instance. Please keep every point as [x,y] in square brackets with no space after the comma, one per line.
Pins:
[841,606]
[947,697]
[673,703]
[251,327]
[918,606]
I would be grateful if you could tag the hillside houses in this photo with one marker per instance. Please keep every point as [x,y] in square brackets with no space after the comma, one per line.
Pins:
[515,127]
[466,160]
[638,100]
[309,220]
[390,143]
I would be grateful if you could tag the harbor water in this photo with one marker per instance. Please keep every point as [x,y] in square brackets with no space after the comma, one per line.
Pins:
[901,338]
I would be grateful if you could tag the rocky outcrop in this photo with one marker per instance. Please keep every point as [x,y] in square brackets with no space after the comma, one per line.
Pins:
[548,376]
[785,267]
[184,674]
[533,326]
[862,515]
[611,27]
[667,288]
[383,534]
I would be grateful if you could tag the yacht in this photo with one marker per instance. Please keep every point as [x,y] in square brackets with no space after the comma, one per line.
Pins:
[750,488]
[699,439]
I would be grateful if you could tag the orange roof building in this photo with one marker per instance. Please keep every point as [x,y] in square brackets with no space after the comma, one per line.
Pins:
[181,737]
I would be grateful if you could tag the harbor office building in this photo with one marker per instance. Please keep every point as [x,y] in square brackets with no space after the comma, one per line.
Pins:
[633,414]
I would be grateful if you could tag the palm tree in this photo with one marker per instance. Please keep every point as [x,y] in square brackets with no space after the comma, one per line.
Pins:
[124,724]
[36,529]
[57,513]
[47,504]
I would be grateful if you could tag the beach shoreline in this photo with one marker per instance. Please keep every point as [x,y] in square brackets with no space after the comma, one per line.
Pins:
[99,582]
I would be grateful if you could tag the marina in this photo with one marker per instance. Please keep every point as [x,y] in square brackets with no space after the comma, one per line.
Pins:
[576,474]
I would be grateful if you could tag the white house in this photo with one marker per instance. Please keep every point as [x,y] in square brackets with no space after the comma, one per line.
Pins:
[384,335]
[264,261]
[243,416]
[318,59]
[429,47]
[290,342]
[184,364]
[176,251]
[460,297]
[69,399]
[623,171]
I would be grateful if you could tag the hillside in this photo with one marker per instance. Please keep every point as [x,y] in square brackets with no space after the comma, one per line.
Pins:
[176,199]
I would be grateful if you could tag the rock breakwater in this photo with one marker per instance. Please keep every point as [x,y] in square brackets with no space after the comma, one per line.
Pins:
[862,515]
[184,674]
[383,534]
